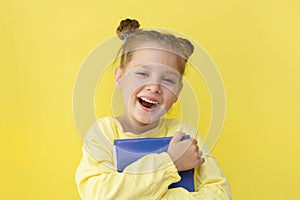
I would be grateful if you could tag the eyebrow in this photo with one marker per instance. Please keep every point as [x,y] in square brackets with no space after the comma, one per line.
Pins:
[169,69]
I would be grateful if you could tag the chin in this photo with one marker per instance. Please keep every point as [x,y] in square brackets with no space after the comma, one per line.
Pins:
[146,120]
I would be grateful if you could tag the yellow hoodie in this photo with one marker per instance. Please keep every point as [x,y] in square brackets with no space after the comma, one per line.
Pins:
[149,177]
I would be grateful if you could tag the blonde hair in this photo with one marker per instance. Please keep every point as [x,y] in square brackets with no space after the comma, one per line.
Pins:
[135,39]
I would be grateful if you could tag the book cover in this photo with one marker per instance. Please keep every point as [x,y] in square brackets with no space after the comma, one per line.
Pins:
[127,151]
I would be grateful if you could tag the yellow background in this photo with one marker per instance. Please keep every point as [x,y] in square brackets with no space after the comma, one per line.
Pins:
[255,45]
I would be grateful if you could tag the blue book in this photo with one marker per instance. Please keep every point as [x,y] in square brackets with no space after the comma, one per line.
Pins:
[127,151]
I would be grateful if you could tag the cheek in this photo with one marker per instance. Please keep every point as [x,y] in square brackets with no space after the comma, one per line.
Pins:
[169,97]
[129,90]
[172,89]
[130,82]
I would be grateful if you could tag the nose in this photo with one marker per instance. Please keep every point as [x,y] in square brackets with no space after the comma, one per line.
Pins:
[154,87]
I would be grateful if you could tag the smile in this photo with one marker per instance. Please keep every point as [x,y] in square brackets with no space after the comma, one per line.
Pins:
[148,103]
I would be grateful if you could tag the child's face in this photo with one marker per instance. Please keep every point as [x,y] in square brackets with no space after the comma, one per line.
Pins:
[150,84]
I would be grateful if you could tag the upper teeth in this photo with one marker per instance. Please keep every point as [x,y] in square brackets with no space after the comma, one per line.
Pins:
[148,100]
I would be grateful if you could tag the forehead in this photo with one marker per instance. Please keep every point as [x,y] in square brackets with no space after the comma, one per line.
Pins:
[151,56]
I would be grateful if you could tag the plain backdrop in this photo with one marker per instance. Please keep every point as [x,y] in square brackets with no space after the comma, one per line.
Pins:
[255,45]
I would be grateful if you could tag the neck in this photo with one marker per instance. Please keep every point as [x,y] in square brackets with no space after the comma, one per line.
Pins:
[131,126]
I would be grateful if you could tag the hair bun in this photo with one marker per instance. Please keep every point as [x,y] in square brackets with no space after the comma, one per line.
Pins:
[188,47]
[126,26]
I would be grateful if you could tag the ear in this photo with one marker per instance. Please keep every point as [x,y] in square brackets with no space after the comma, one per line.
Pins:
[118,76]
[180,86]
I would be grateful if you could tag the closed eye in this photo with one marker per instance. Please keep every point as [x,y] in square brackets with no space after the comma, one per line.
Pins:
[169,80]
[142,73]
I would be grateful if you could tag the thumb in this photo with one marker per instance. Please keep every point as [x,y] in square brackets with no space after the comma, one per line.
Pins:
[177,137]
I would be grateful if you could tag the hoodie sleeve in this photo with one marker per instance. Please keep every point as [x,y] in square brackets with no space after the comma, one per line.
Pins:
[97,178]
[210,184]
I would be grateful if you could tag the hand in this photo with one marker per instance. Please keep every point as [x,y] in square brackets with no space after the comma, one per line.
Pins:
[185,154]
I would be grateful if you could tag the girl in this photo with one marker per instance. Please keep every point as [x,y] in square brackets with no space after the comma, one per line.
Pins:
[150,79]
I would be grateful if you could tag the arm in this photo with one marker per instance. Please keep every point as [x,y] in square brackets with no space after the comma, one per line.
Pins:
[210,183]
[97,178]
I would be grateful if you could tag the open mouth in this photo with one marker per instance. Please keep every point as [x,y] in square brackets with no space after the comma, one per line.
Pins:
[147,103]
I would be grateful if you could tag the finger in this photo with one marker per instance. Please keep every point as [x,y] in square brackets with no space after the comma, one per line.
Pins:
[202,160]
[197,148]
[200,154]
[177,137]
